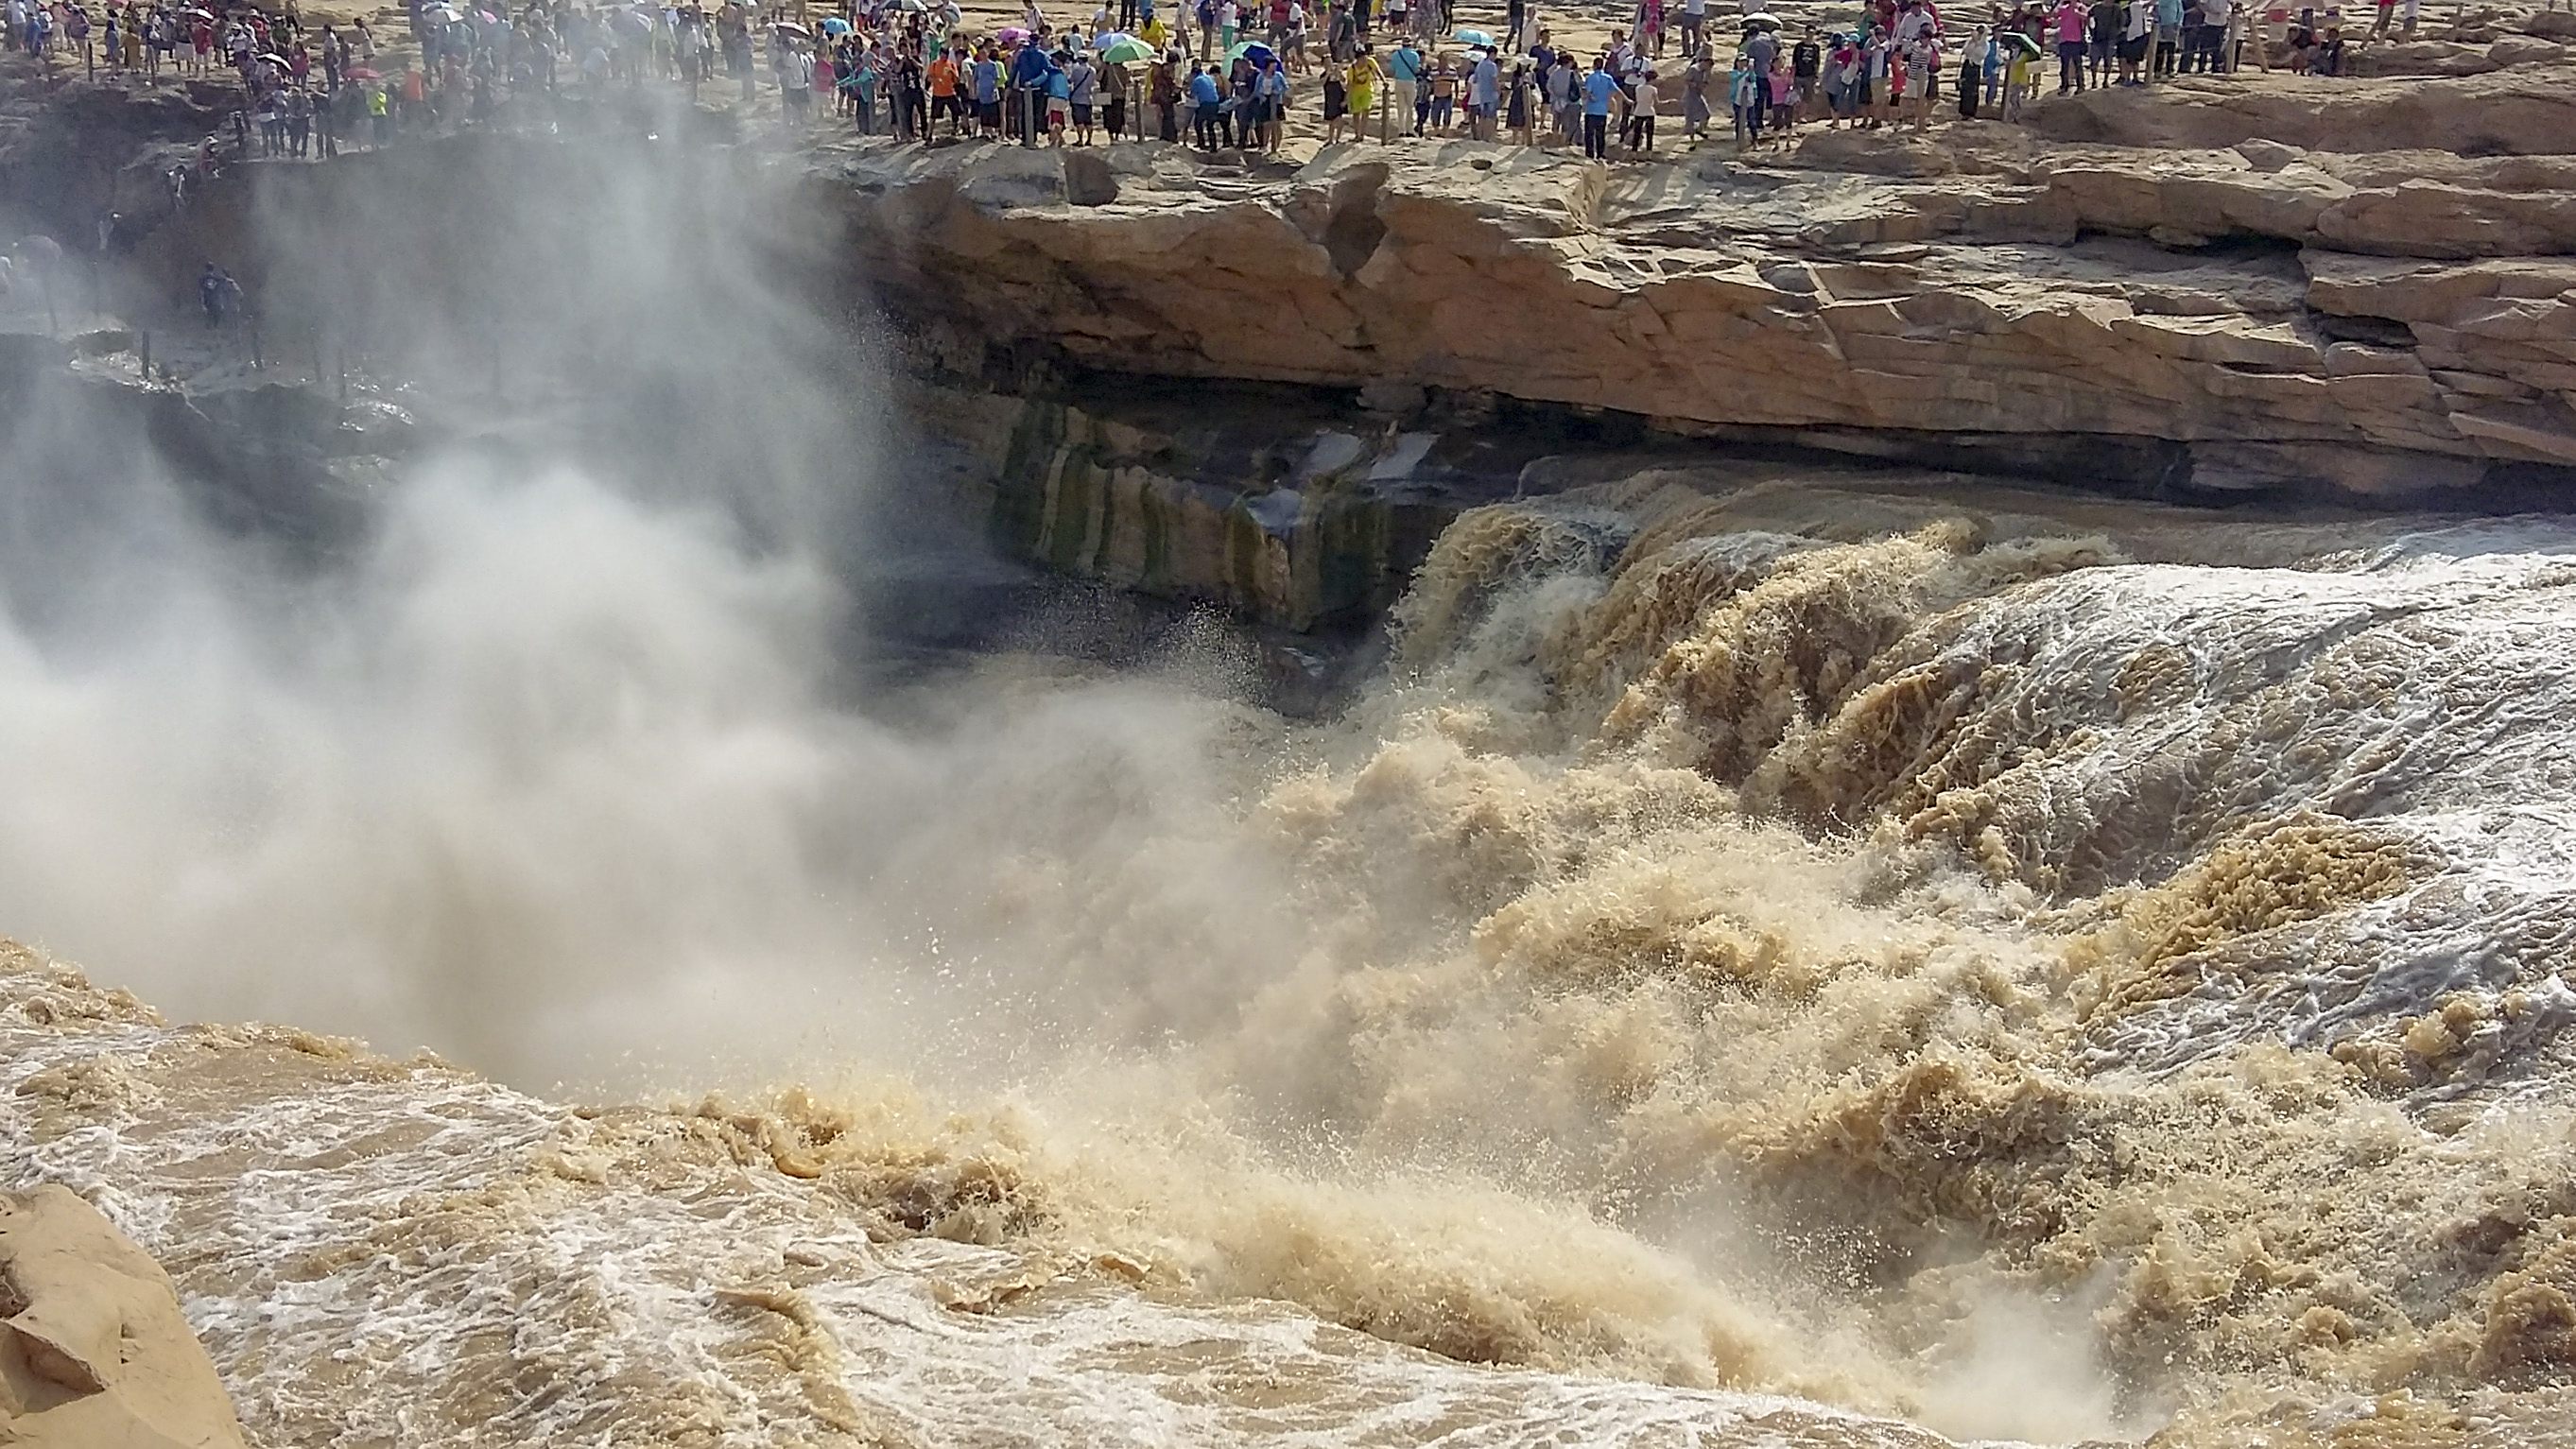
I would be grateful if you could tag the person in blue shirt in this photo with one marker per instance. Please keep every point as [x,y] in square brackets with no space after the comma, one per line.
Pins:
[988,94]
[1598,88]
[1059,89]
[1271,91]
[1403,83]
[1203,103]
[1031,71]
[2168,37]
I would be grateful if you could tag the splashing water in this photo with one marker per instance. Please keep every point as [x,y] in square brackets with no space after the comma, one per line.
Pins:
[2027,969]
[1810,959]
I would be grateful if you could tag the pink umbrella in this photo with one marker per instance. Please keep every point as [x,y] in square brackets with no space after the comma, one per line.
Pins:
[1010,35]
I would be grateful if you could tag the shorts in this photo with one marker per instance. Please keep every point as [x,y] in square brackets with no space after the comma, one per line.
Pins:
[989,112]
[1056,109]
[1081,114]
[2135,49]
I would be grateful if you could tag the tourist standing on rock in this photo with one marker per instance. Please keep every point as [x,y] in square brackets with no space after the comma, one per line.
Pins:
[1922,62]
[1695,112]
[1641,116]
[2071,17]
[2137,33]
[1367,82]
[1082,93]
[1204,101]
[1484,94]
[1030,72]
[1743,87]
[1270,92]
[1163,91]
[1883,80]
[1806,73]
[1403,91]
[1598,89]
[1972,71]
[1841,75]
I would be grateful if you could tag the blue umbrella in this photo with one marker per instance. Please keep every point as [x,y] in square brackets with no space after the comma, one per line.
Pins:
[1254,51]
[1471,37]
[836,26]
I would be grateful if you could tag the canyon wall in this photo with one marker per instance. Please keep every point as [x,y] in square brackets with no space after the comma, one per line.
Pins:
[2203,306]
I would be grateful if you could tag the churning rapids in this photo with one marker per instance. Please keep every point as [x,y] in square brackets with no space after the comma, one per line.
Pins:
[1774,960]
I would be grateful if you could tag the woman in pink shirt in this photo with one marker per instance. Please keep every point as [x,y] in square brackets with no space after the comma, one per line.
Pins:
[2070,17]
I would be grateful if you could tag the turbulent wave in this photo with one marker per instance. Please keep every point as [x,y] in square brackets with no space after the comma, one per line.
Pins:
[2020,967]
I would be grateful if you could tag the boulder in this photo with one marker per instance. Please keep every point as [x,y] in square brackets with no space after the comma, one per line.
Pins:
[94,1352]
[1088,180]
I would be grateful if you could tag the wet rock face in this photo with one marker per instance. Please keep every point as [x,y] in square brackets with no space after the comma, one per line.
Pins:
[1284,509]
[93,1350]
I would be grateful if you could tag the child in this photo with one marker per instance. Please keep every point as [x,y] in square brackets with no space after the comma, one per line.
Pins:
[1641,116]
[1783,96]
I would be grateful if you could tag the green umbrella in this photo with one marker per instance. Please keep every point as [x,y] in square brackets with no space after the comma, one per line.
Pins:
[2019,41]
[1127,51]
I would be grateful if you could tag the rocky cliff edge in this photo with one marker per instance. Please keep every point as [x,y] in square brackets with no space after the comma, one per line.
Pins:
[2343,307]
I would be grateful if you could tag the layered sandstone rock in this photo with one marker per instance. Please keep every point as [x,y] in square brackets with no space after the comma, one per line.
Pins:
[2369,318]
[95,1354]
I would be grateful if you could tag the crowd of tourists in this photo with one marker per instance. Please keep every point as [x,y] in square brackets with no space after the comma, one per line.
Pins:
[1216,74]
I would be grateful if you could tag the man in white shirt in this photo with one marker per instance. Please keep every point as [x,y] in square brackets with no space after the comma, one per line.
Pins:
[1484,92]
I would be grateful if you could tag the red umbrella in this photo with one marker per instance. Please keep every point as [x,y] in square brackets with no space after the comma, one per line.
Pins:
[363,73]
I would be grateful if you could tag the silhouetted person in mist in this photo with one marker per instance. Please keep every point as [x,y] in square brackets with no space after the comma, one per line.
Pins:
[218,292]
